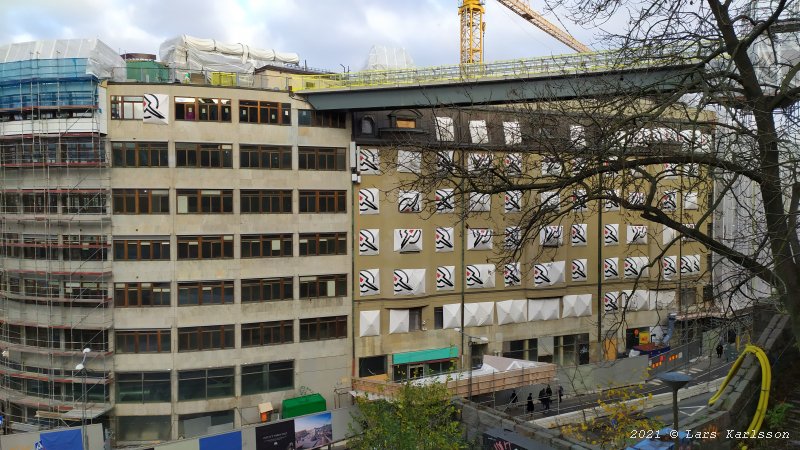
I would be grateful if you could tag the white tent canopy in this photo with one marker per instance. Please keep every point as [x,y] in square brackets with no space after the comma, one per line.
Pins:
[192,53]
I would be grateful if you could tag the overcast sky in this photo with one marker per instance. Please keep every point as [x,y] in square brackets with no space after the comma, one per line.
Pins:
[325,33]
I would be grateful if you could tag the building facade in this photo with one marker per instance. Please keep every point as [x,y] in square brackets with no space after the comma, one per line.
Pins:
[194,238]
[592,284]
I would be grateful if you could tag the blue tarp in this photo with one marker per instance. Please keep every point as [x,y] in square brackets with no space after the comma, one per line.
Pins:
[62,440]
[227,441]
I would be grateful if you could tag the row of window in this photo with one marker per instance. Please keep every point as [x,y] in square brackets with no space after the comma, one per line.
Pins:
[202,384]
[220,201]
[221,246]
[79,202]
[53,151]
[221,337]
[144,295]
[69,339]
[200,109]
[155,154]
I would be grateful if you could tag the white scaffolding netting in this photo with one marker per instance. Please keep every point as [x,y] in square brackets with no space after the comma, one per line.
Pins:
[382,57]
[196,54]
[102,59]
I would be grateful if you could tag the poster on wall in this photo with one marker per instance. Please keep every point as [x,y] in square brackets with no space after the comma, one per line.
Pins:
[156,109]
[276,436]
[313,431]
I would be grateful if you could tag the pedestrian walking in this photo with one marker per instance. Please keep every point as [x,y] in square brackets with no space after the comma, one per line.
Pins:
[560,393]
[529,404]
[542,399]
[548,397]
[719,350]
[514,398]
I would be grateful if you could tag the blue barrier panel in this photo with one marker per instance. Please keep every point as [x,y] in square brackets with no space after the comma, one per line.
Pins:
[62,440]
[227,441]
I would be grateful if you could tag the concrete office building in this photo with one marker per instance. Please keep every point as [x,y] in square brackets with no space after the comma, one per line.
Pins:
[193,237]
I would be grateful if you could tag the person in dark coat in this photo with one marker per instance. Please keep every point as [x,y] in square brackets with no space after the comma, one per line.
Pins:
[529,404]
[514,398]
[560,393]
[548,397]
[542,399]
[719,350]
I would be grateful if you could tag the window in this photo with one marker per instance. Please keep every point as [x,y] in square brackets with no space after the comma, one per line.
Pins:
[266,245]
[143,428]
[267,333]
[324,119]
[141,201]
[438,318]
[139,154]
[38,246]
[204,201]
[37,202]
[312,244]
[265,157]
[141,295]
[415,319]
[128,107]
[267,289]
[251,111]
[521,349]
[61,151]
[205,383]
[367,126]
[85,290]
[78,339]
[203,155]
[571,350]
[323,202]
[84,203]
[143,387]
[313,158]
[321,328]
[406,122]
[141,250]
[323,286]
[688,297]
[445,131]
[203,109]
[266,202]
[267,377]
[205,247]
[85,247]
[205,293]
[143,341]
[372,365]
[214,337]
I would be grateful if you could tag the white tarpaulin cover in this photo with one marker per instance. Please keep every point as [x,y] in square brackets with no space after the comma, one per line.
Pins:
[479,239]
[479,276]
[156,109]
[369,161]
[636,300]
[369,282]
[637,234]
[478,314]
[398,321]
[381,57]
[578,235]
[408,162]
[407,240]
[445,278]
[512,311]
[668,235]
[369,323]
[690,264]
[543,309]
[669,265]
[191,53]
[551,236]
[444,239]
[369,241]
[451,316]
[548,274]
[611,301]
[636,266]
[579,270]
[409,281]
[512,275]
[577,305]
[368,201]
[661,299]
[101,59]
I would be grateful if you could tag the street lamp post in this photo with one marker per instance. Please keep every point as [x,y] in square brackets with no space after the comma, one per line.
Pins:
[472,340]
[675,380]
[81,368]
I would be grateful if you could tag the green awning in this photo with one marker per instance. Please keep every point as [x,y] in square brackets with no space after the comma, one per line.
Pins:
[300,406]
[434,354]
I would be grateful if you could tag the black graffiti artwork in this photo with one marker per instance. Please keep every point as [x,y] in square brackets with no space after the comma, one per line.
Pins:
[610,302]
[669,201]
[638,233]
[443,239]
[444,278]
[578,270]
[610,269]
[551,236]
[409,237]
[669,267]
[631,269]
[541,275]
[401,282]
[366,282]
[444,201]
[512,201]
[578,235]
[368,162]
[151,106]
[513,164]
[409,203]
[610,234]
[511,275]
[366,201]
[480,237]
[512,238]
[366,241]
[690,264]
[473,277]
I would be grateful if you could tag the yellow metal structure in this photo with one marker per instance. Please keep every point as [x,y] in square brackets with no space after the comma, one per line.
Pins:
[766,382]
[472,28]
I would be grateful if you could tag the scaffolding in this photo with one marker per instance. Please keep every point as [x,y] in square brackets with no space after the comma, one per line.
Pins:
[54,243]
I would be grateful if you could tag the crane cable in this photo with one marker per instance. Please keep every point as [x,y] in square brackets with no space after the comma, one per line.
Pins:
[766,382]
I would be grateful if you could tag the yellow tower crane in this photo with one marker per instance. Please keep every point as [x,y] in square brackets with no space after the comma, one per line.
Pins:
[473,27]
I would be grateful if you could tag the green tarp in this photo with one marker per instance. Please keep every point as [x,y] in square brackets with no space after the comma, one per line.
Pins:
[434,354]
[300,406]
